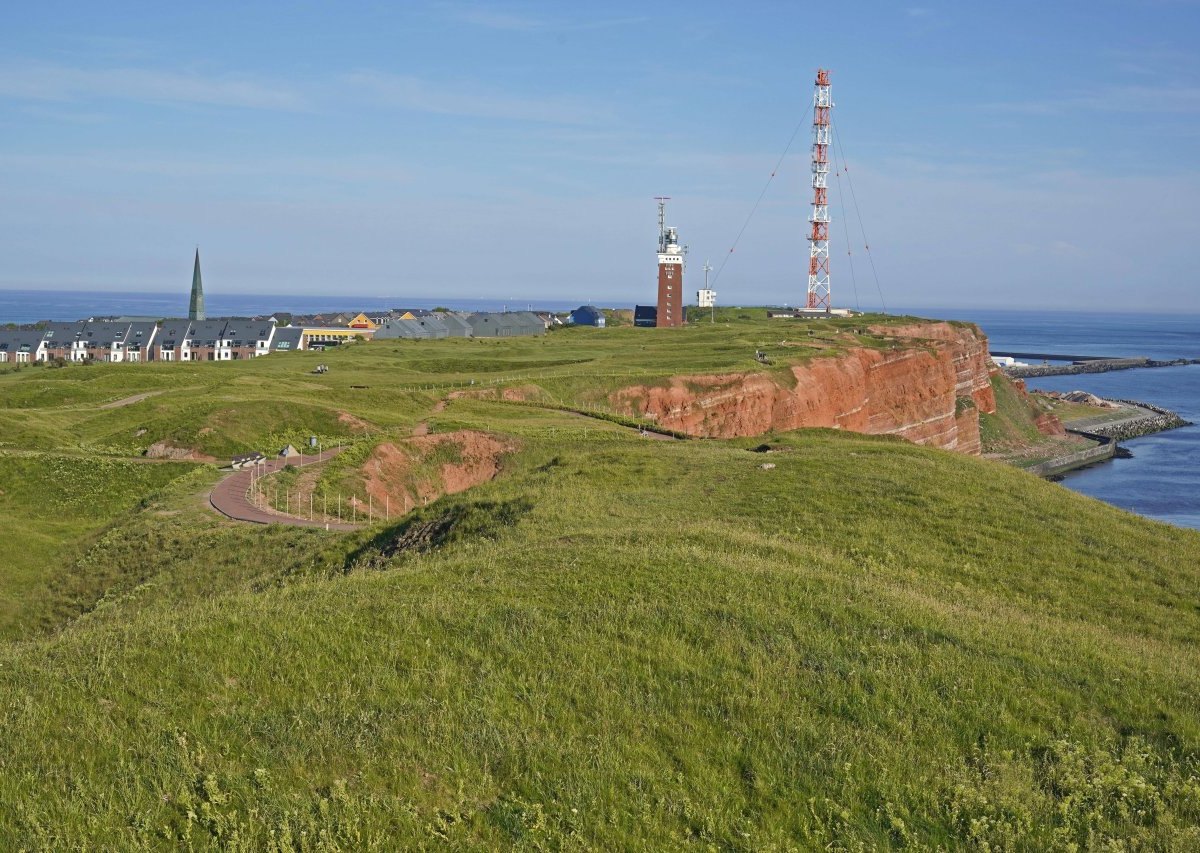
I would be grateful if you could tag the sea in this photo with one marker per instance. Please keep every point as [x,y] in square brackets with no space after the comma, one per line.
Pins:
[1160,481]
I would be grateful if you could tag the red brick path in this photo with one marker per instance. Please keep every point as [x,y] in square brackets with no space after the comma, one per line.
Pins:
[229,497]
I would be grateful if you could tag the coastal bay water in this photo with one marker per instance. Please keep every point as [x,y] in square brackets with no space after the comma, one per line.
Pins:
[1162,480]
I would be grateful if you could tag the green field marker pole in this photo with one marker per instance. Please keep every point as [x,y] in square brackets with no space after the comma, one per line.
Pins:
[370,506]
[325,506]
[310,506]
[339,506]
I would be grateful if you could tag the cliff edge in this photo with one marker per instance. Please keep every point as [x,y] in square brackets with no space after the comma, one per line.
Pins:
[926,384]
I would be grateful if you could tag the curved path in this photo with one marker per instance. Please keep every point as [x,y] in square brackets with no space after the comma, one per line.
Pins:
[228,497]
[129,401]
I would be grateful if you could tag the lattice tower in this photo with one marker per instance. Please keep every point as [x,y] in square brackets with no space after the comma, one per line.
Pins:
[818,253]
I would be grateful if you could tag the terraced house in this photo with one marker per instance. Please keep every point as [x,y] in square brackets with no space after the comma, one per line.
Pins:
[144,340]
[174,342]
[96,340]
[63,341]
[247,339]
[18,347]
[233,339]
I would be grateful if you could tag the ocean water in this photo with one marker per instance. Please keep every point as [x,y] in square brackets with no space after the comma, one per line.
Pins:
[30,306]
[1162,480]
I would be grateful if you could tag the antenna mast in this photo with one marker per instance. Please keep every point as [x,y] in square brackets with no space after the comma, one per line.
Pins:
[662,221]
[818,253]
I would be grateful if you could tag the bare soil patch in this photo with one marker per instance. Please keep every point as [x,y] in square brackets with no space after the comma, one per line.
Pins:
[356,424]
[166,450]
[415,471]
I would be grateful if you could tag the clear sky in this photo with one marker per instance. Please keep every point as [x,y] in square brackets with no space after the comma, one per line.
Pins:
[1002,154]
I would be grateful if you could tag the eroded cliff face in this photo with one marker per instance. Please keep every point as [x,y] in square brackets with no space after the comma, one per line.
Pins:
[928,387]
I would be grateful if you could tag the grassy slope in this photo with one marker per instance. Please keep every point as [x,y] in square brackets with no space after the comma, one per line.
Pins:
[1011,433]
[629,643]
[49,503]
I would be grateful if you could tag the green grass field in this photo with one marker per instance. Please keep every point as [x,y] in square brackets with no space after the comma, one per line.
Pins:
[619,643]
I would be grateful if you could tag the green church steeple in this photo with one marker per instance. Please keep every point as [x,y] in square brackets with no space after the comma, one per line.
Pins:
[196,306]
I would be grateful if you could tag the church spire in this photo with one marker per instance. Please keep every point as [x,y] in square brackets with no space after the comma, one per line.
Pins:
[196,306]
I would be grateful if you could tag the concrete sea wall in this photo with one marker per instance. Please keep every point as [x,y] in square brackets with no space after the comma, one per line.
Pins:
[1103,450]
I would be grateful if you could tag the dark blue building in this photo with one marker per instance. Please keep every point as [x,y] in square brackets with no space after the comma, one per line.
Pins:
[588,315]
[645,316]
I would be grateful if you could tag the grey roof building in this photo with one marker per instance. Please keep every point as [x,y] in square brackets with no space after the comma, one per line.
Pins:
[62,336]
[404,329]
[104,340]
[249,334]
[173,332]
[456,325]
[139,340]
[208,333]
[288,339]
[434,325]
[529,323]
[486,325]
[20,346]
[507,325]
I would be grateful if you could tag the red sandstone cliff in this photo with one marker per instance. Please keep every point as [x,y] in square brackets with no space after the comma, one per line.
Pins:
[912,389]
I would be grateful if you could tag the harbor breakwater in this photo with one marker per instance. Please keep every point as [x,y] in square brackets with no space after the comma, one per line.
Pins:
[1106,437]
[1156,419]
[1096,365]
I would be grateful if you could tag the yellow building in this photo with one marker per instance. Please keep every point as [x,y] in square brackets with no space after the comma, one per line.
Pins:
[319,335]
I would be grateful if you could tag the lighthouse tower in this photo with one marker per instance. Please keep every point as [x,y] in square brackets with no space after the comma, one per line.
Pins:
[670,271]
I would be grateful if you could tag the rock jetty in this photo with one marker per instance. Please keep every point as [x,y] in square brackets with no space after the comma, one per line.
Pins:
[1097,365]
[1156,419]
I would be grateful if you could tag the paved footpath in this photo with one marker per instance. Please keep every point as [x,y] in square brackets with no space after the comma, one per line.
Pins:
[229,497]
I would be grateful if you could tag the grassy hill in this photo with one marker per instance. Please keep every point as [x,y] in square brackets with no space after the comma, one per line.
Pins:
[618,643]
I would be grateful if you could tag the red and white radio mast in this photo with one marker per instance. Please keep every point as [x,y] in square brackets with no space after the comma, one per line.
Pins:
[818,253]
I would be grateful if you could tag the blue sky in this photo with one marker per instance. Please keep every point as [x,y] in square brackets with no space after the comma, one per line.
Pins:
[1001,154]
